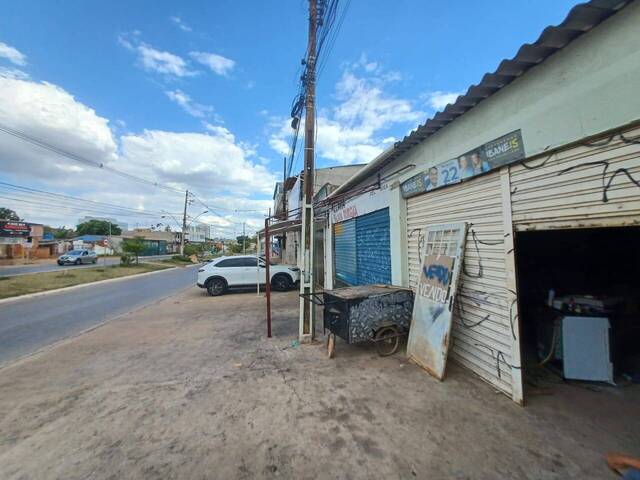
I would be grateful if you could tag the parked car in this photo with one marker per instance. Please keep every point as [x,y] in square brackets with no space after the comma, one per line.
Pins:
[244,271]
[76,257]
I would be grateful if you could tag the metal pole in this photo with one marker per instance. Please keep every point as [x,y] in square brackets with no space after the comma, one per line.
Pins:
[184,222]
[267,278]
[258,263]
[306,328]
[244,242]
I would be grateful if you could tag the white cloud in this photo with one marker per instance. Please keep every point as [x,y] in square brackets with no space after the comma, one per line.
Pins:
[188,105]
[438,100]
[47,112]
[12,54]
[356,129]
[205,161]
[154,60]
[217,63]
[277,143]
[15,73]
[218,167]
[181,24]
[163,62]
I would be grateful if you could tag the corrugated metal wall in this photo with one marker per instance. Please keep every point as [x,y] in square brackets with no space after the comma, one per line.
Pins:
[373,249]
[481,329]
[344,248]
[569,188]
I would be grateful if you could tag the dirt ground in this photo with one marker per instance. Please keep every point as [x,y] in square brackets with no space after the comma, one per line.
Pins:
[190,388]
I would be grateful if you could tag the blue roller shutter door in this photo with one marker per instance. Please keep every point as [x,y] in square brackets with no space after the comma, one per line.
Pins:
[373,249]
[344,244]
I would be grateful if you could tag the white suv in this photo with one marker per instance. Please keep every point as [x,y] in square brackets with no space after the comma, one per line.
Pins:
[243,271]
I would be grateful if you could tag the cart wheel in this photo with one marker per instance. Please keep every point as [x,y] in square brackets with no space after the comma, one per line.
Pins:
[331,345]
[387,341]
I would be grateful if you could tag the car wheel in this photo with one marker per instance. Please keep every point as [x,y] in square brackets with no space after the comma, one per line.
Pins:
[281,282]
[95,260]
[77,262]
[60,263]
[216,287]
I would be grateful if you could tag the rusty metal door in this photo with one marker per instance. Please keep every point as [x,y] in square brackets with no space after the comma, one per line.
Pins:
[430,332]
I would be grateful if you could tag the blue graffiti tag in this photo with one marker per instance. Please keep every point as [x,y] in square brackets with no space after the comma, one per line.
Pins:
[437,271]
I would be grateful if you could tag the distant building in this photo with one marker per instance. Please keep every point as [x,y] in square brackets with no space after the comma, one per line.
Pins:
[287,202]
[24,240]
[197,233]
[170,239]
[123,226]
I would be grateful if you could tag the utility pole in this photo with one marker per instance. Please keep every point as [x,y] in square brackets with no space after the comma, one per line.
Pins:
[244,241]
[306,327]
[184,222]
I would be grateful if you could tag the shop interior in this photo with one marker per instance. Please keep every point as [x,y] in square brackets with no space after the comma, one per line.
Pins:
[579,308]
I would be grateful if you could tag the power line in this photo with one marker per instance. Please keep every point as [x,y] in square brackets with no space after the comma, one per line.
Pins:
[30,192]
[334,36]
[72,156]
[214,210]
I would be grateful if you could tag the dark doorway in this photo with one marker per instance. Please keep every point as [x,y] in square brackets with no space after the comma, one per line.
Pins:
[579,306]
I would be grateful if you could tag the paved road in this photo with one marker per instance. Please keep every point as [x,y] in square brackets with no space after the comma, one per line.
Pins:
[13,270]
[27,325]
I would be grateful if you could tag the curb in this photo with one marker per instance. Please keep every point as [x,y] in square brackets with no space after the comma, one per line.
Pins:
[83,285]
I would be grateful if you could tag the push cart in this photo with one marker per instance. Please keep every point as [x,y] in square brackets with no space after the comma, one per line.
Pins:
[367,313]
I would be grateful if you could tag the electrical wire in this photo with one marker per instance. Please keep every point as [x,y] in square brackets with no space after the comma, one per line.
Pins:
[37,194]
[72,156]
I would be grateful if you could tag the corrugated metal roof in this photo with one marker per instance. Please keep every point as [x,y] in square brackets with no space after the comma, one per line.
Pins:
[90,238]
[582,18]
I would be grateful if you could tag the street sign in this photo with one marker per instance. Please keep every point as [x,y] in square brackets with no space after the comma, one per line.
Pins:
[10,228]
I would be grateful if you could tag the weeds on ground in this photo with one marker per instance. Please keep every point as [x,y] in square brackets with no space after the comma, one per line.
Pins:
[40,282]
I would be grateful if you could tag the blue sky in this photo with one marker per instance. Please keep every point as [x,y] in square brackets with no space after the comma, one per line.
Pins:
[197,94]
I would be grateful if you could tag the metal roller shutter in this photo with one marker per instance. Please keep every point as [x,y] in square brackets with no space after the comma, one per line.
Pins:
[567,189]
[373,249]
[482,332]
[344,247]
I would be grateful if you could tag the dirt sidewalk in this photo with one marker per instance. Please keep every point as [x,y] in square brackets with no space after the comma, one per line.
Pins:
[191,389]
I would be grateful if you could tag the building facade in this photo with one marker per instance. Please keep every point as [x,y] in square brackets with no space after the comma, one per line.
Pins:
[287,206]
[529,181]
[198,233]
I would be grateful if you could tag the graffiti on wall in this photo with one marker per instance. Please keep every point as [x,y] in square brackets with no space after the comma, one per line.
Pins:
[436,277]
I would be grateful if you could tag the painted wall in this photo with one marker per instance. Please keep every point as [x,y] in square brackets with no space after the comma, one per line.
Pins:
[361,205]
[588,87]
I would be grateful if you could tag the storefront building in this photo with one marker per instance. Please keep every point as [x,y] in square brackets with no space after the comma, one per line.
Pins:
[534,176]
[360,231]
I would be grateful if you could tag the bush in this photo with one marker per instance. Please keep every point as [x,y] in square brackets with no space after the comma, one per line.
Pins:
[133,247]
[192,249]
[126,259]
[181,258]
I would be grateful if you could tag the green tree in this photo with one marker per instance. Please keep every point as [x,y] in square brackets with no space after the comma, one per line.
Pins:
[59,233]
[133,246]
[8,214]
[235,247]
[240,238]
[97,227]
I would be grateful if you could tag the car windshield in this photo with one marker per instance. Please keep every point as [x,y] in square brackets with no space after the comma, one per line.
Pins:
[75,252]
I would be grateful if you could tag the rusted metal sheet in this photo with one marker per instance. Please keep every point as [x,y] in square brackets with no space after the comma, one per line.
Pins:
[588,186]
[428,343]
